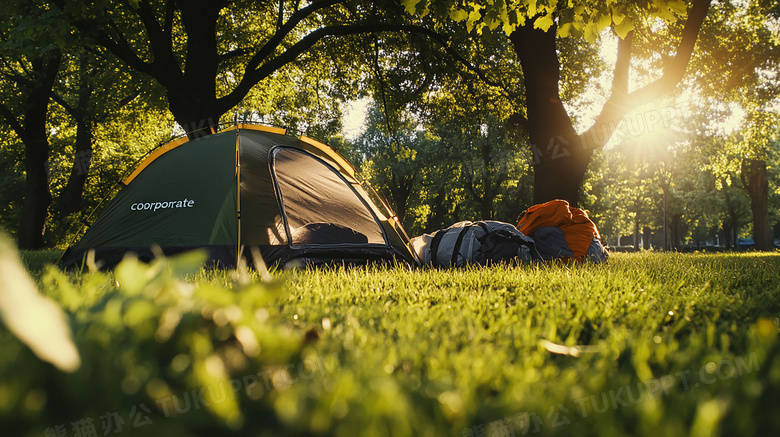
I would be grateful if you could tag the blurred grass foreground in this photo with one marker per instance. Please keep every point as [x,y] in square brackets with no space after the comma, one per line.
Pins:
[647,344]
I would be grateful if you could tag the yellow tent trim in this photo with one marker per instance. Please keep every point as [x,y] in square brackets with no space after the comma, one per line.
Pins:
[318,146]
[167,147]
[332,154]
[259,127]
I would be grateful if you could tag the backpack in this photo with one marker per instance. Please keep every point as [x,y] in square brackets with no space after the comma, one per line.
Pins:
[562,231]
[483,242]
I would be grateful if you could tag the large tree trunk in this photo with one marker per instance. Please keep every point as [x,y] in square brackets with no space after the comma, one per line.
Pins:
[37,197]
[193,100]
[561,156]
[754,178]
[559,162]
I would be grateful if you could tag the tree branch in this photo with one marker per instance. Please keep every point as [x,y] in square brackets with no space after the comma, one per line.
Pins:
[620,103]
[675,71]
[121,48]
[471,67]
[622,65]
[160,43]
[11,119]
[62,102]
[170,10]
[271,45]
[18,78]
[252,77]
[234,53]
[280,15]
[129,98]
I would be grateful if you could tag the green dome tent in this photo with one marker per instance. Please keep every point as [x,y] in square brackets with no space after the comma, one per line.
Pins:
[246,187]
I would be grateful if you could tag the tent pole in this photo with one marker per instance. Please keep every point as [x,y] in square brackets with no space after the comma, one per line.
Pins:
[238,199]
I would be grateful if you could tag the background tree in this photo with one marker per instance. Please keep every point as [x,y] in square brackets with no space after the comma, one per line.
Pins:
[534,29]
[29,70]
[442,113]
[739,80]
[208,55]
[390,160]
[91,89]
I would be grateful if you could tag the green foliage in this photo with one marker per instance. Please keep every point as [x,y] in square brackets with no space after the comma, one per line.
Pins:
[441,145]
[11,180]
[573,18]
[120,142]
[694,338]
[461,163]
[145,333]
[453,150]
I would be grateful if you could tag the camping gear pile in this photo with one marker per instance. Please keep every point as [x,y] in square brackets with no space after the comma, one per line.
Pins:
[466,242]
[251,189]
[561,231]
[552,230]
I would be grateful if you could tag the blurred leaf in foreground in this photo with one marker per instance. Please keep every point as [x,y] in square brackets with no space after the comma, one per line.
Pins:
[35,320]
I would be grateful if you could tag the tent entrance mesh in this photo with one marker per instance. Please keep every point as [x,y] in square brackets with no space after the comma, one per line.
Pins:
[318,204]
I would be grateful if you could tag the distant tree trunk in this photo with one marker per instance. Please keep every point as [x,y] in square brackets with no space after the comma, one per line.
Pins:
[400,191]
[755,181]
[70,197]
[31,129]
[647,233]
[486,206]
[438,214]
[675,229]
[37,196]
[486,199]
[637,236]
[87,112]
[730,224]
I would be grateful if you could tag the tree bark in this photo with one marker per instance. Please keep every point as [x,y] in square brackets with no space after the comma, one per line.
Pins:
[559,164]
[69,201]
[754,178]
[197,111]
[561,157]
[647,233]
[70,198]
[37,196]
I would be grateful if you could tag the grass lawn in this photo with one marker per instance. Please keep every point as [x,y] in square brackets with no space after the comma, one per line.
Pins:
[647,344]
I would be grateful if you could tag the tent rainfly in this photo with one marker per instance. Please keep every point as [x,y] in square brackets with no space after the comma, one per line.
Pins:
[246,187]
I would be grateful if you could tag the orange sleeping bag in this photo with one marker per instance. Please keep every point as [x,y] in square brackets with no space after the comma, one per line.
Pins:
[580,233]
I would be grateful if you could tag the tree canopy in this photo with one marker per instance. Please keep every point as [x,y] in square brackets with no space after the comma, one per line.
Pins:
[478,108]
